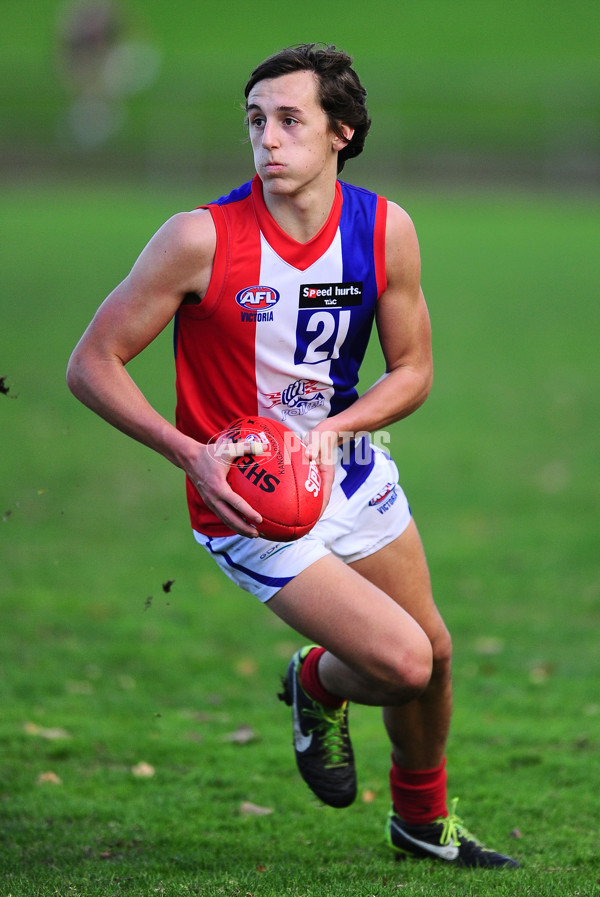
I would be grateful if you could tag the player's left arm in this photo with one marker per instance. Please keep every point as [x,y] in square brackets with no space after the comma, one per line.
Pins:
[404,332]
[403,326]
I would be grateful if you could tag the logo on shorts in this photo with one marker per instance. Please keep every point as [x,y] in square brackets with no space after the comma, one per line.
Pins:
[257,303]
[384,500]
[274,549]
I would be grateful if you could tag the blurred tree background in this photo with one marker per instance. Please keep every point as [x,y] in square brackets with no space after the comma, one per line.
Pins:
[460,90]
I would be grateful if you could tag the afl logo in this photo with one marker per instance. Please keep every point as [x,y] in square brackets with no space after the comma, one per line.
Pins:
[383,495]
[257,298]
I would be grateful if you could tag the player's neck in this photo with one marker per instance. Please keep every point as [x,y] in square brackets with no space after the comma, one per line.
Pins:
[301,216]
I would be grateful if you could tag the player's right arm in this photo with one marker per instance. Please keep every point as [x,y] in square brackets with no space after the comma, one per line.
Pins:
[177,261]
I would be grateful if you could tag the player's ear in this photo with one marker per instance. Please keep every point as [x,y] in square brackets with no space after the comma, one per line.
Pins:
[347,133]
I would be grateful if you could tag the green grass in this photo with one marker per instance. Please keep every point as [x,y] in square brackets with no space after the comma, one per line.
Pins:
[479,78]
[501,470]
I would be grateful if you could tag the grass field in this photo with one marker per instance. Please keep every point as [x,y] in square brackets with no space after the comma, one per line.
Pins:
[106,667]
[482,79]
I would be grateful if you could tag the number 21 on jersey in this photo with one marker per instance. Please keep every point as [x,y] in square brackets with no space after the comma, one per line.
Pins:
[320,335]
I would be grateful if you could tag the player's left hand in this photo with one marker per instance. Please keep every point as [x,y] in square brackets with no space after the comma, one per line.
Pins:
[321,447]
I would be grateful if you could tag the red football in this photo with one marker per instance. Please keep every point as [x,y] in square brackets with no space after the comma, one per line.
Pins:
[280,482]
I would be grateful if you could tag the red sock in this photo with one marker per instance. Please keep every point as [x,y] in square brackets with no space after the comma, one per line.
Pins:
[309,678]
[419,796]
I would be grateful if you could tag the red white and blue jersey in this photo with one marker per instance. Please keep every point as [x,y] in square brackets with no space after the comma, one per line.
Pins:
[283,327]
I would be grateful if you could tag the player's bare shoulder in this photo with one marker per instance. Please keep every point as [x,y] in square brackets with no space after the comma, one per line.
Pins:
[193,230]
[400,227]
[403,257]
[185,247]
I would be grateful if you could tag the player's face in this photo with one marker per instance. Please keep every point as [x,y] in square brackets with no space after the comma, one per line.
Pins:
[294,146]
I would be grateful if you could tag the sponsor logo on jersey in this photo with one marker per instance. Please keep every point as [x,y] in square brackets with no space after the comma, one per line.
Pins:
[298,398]
[330,295]
[257,303]
[384,500]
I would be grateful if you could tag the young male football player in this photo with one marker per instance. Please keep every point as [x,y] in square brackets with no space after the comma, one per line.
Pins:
[274,289]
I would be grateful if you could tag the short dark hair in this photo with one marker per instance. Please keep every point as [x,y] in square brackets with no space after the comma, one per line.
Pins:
[340,93]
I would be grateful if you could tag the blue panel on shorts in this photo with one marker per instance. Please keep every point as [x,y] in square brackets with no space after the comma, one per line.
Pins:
[358,466]
[274,581]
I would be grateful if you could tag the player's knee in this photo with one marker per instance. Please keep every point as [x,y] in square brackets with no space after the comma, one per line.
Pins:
[417,669]
[442,654]
[408,672]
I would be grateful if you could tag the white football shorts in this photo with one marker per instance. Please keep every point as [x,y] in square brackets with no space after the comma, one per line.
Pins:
[351,528]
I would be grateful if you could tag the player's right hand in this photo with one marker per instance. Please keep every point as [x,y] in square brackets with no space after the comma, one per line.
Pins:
[209,475]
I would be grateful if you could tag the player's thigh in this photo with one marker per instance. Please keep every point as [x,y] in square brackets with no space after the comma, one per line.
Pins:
[333,605]
[400,570]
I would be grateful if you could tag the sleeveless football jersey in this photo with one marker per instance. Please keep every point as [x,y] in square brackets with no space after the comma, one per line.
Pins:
[283,327]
